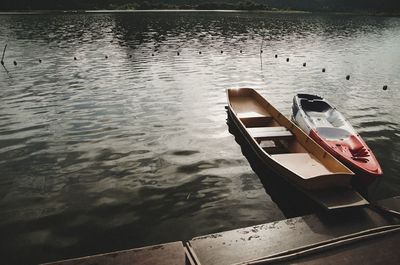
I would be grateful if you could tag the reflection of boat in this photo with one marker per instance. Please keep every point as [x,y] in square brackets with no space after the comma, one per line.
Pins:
[322,122]
[286,149]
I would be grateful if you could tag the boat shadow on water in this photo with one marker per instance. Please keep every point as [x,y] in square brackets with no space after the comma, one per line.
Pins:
[289,199]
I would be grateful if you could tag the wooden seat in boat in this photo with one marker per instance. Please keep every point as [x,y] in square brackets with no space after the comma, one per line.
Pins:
[252,114]
[265,133]
[254,119]
[304,164]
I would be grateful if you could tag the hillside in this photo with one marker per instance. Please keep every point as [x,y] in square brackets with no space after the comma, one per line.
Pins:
[371,6]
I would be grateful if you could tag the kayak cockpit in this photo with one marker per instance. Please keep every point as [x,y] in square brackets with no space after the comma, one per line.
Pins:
[316,105]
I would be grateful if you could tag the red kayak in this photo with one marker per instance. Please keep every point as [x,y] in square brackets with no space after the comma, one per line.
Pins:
[327,126]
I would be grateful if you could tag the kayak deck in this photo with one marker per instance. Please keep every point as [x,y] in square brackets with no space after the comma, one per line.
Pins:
[328,127]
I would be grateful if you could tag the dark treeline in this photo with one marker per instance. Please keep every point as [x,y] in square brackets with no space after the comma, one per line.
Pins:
[338,5]
[371,6]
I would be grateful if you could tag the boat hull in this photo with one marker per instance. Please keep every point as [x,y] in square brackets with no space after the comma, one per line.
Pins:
[338,179]
[325,125]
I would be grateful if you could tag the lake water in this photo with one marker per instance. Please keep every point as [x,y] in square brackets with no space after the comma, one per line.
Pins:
[100,154]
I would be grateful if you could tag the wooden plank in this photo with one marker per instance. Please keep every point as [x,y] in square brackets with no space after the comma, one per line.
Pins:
[264,133]
[337,198]
[304,164]
[258,241]
[260,121]
[260,130]
[252,114]
[169,253]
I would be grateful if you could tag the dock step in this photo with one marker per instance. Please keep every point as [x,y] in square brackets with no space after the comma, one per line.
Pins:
[265,133]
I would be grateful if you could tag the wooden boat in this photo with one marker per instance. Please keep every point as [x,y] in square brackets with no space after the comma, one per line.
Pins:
[327,126]
[282,146]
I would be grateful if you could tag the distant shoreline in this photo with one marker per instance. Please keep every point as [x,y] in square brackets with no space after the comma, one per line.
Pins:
[105,11]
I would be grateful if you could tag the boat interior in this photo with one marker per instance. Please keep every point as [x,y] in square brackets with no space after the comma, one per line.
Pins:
[269,134]
[276,135]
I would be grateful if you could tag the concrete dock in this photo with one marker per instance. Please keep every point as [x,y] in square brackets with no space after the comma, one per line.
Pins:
[364,235]
[168,253]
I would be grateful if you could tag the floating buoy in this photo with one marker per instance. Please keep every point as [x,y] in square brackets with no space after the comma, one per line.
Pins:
[304,64]
[241,51]
[222,52]
[106,57]
[287,59]
[75,59]
[152,54]
[348,77]
[385,87]
[261,51]
[199,52]
[323,70]
[40,60]
[177,53]
[276,55]
[15,63]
